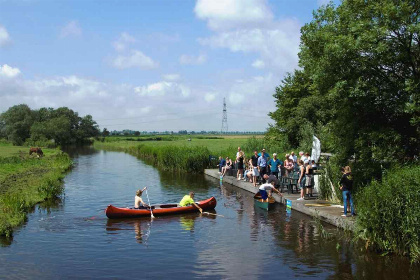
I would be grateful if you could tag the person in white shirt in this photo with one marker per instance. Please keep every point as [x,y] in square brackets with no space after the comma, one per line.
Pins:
[302,156]
[266,190]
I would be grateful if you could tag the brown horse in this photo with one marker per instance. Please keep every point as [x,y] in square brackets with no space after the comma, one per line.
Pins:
[37,150]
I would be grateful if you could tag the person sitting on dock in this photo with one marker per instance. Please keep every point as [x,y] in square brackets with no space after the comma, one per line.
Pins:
[222,163]
[270,188]
[138,201]
[227,166]
[189,200]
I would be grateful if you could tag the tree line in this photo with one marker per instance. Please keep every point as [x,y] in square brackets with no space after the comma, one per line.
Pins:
[20,124]
[358,85]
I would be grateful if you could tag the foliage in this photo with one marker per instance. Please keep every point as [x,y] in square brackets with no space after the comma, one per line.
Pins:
[358,86]
[188,159]
[389,212]
[25,181]
[20,124]
[16,123]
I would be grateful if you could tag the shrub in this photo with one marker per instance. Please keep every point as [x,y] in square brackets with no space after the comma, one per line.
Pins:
[389,212]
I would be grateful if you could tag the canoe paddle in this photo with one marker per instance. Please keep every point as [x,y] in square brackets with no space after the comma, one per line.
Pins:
[148,201]
[208,213]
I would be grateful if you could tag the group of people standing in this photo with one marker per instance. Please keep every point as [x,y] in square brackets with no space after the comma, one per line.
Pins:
[260,164]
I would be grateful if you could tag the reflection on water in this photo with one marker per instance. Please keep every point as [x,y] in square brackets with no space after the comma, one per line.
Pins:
[72,238]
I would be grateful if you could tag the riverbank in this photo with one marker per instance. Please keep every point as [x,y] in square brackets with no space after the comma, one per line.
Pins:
[317,208]
[27,180]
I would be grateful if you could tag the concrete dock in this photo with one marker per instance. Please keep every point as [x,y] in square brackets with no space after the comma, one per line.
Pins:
[324,210]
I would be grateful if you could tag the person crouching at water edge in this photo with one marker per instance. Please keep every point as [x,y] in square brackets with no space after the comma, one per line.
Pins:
[266,190]
[138,201]
[189,200]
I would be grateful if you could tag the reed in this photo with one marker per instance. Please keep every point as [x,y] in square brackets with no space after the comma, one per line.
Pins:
[176,158]
[389,212]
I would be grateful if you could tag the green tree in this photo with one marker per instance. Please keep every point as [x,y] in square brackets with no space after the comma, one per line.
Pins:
[16,123]
[87,128]
[360,75]
[105,132]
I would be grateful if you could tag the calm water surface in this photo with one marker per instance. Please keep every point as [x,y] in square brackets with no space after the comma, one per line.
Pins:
[72,238]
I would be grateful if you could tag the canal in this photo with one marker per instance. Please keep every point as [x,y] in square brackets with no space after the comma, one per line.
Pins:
[72,237]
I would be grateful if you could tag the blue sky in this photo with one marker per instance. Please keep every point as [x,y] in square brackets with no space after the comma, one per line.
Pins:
[151,65]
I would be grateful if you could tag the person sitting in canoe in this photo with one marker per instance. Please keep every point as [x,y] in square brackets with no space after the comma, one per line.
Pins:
[268,187]
[189,200]
[138,201]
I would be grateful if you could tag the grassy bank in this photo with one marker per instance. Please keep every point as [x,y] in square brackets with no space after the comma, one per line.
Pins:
[26,180]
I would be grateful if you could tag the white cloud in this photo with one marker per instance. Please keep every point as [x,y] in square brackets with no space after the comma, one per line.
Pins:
[121,43]
[246,92]
[209,97]
[8,72]
[277,45]
[258,64]
[175,106]
[228,14]
[249,26]
[135,59]
[71,29]
[171,77]
[163,89]
[193,60]
[4,36]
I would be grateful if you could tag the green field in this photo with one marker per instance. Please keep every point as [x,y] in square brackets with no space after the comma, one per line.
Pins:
[215,144]
[26,180]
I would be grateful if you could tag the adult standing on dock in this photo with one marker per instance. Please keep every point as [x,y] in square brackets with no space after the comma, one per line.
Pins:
[346,183]
[302,179]
[262,165]
[275,164]
[256,173]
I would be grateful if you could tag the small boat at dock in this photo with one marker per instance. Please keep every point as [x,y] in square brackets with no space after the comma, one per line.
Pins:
[113,212]
[259,202]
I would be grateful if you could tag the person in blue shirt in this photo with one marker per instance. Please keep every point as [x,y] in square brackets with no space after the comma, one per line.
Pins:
[275,165]
[262,165]
[222,162]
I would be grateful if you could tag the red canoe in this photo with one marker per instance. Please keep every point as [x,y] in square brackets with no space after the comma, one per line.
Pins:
[113,212]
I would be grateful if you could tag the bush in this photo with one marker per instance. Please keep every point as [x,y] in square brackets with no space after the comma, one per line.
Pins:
[389,212]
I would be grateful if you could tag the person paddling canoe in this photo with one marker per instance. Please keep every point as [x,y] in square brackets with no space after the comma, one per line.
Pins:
[138,201]
[189,200]
[268,187]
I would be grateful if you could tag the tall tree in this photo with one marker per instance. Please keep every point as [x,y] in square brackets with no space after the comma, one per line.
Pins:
[17,122]
[362,62]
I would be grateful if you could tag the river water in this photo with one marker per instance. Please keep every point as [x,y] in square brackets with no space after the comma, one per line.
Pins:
[72,238]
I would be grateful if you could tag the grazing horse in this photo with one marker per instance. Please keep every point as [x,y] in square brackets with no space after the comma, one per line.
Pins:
[37,150]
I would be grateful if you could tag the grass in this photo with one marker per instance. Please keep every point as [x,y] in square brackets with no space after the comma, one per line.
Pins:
[27,180]
[189,153]
[216,144]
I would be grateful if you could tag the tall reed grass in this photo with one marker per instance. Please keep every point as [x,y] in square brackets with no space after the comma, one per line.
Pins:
[177,158]
[389,212]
